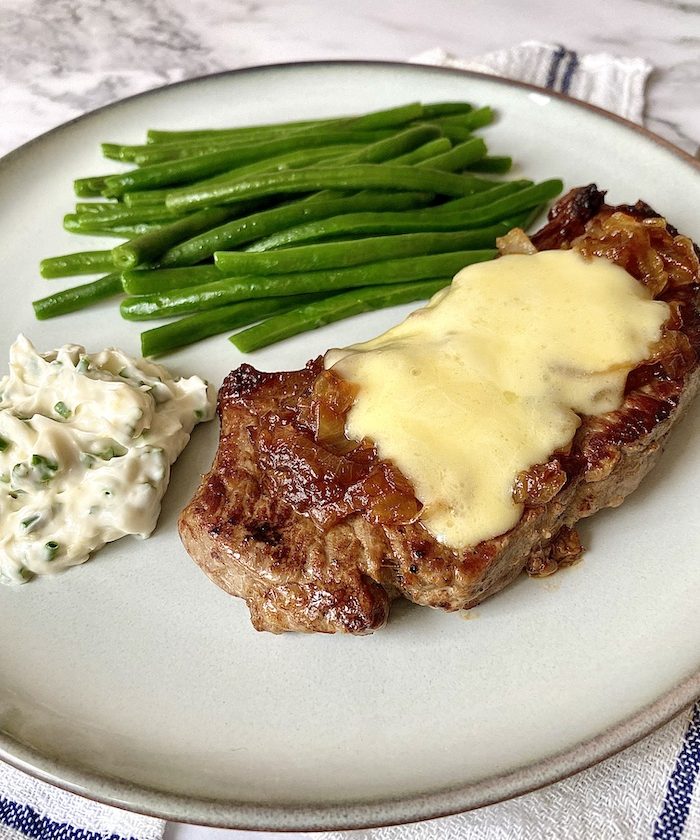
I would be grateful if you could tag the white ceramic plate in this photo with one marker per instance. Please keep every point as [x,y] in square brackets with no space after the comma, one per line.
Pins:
[133,679]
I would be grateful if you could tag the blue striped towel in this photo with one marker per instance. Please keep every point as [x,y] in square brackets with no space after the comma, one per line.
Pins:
[615,83]
[33,809]
[647,791]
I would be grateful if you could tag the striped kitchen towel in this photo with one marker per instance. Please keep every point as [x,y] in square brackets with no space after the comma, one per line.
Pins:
[647,791]
[32,809]
[615,83]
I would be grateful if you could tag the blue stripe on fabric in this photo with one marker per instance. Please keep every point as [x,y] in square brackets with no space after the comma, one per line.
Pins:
[671,821]
[554,66]
[569,72]
[27,821]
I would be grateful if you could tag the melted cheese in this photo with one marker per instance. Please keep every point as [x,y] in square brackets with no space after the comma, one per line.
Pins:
[491,377]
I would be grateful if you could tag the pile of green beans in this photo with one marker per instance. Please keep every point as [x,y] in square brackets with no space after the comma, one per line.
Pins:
[289,226]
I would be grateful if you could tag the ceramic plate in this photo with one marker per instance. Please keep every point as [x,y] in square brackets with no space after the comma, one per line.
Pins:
[134,680]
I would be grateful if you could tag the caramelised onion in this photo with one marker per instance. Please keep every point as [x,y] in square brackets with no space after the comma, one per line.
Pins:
[645,248]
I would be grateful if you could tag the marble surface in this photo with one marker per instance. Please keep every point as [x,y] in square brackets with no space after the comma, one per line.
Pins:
[60,58]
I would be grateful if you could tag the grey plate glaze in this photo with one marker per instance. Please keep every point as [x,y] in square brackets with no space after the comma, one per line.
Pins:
[134,680]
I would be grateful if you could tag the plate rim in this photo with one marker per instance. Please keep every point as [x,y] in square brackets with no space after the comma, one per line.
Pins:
[151,802]
[286,65]
[343,816]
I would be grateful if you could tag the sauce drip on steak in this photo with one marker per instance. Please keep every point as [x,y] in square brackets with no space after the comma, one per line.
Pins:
[318,533]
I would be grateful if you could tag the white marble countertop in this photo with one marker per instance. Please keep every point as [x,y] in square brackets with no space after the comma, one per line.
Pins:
[62,59]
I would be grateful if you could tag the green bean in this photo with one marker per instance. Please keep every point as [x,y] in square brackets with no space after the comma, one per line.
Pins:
[352,177]
[385,118]
[390,118]
[117,214]
[97,208]
[89,187]
[502,204]
[82,262]
[144,282]
[496,164]
[113,151]
[355,139]
[257,132]
[260,225]
[381,151]
[149,246]
[266,188]
[78,297]
[456,133]
[162,152]
[156,153]
[291,160]
[476,118]
[269,221]
[522,200]
[495,191]
[430,149]
[443,217]
[397,144]
[460,127]
[194,168]
[326,255]
[194,328]
[230,290]
[454,215]
[435,110]
[459,157]
[317,314]
[93,226]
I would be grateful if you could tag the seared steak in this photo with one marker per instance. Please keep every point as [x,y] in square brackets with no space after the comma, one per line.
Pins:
[318,534]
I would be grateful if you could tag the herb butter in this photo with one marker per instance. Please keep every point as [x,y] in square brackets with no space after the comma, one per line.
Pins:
[492,377]
[86,444]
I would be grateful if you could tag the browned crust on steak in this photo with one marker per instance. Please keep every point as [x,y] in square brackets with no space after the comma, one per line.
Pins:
[257,535]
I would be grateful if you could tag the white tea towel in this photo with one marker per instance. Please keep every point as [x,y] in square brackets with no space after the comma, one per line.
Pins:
[645,791]
[35,810]
[611,82]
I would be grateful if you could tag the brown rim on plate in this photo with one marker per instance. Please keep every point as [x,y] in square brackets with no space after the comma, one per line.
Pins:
[247,815]
[251,816]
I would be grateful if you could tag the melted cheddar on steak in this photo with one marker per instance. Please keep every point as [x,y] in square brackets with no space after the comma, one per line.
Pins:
[492,377]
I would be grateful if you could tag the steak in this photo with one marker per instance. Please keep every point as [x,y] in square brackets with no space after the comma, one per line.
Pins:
[318,534]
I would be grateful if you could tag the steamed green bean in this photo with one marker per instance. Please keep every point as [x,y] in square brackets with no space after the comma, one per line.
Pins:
[151,245]
[316,314]
[81,262]
[78,297]
[326,255]
[352,177]
[144,281]
[291,160]
[334,217]
[448,216]
[196,167]
[254,226]
[230,290]
[192,328]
